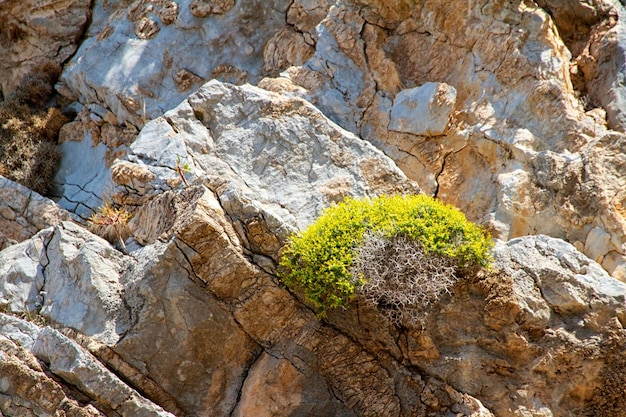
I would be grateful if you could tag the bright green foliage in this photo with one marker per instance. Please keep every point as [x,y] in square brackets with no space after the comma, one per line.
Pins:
[318,260]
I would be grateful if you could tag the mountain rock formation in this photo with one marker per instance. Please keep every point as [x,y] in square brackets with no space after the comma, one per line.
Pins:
[225,126]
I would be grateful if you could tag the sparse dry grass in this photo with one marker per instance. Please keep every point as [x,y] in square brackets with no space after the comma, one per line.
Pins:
[29,153]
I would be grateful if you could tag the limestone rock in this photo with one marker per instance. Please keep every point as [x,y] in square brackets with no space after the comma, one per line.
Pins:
[24,212]
[83,284]
[562,319]
[23,276]
[67,360]
[25,389]
[596,35]
[423,110]
[142,79]
[90,146]
[275,387]
[36,32]
[518,97]
[259,162]
[542,333]
[218,176]
[190,346]
[27,357]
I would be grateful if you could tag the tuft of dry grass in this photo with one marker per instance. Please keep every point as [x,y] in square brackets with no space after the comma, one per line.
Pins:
[29,131]
[112,224]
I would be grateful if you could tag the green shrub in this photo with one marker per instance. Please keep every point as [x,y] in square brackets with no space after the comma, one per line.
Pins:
[320,260]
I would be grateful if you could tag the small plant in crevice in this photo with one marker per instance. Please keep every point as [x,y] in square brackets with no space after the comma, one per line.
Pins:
[181,169]
[33,317]
[400,253]
[112,224]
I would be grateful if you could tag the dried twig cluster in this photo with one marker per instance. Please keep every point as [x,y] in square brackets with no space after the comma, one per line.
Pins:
[401,279]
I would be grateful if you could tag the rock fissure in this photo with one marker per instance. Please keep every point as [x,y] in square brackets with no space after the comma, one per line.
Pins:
[197,318]
[44,270]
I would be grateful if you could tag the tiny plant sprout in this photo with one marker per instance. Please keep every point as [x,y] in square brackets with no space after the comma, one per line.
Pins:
[181,170]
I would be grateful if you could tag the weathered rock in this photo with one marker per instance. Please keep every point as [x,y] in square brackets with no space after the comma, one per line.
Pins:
[36,32]
[190,346]
[26,390]
[194,318]
[542,333]
[150,74]
[514,102]
[423,110]
[247,156]
[84,284]
[22,270]
[90,145]
[27,356]
[540,336]
[70,362]
[24,212]
[596,35]
[276,387]
[69,276]
[506,62]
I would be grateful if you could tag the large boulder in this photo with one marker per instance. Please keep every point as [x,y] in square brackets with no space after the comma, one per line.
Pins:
[274,162]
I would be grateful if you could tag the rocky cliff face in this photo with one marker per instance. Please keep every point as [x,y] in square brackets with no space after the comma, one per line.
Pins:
[512,111]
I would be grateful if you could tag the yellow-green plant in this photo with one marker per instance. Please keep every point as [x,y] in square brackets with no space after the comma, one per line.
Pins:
[111,223]
[319,260]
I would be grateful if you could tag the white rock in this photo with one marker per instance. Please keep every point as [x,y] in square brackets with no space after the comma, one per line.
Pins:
[23,212]
[81,177]
[83,288]
[138,78]
[597,243]
[265,155]
[423,110]
[567,280]
[22,332]
[66,359]
[22,274]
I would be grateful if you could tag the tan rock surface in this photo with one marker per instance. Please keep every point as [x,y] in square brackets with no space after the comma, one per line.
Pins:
[515,103]
[24,212]
[35,32]
[193,320]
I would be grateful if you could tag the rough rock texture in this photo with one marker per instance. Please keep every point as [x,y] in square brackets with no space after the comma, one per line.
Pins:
[433,102]
[537,87]
[515,104]
[35,32]
[153,44]
[562,319]
[245,144]
[212,333]
[225,126]
[29,354]
[23,213]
